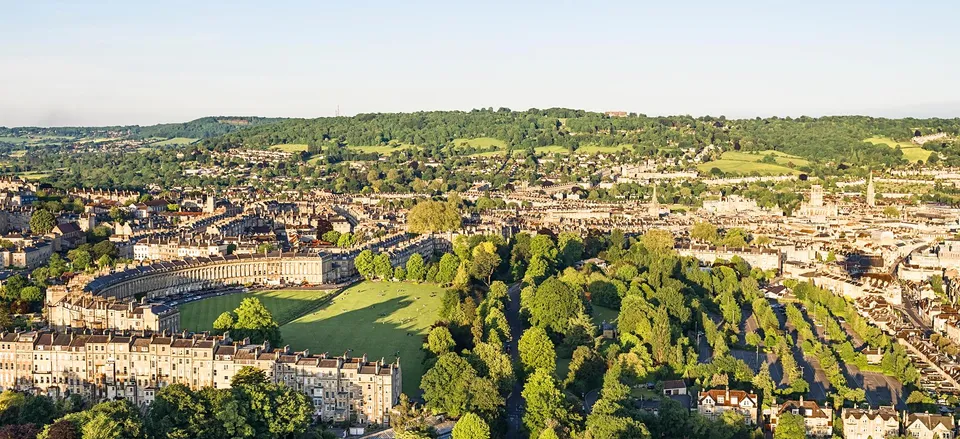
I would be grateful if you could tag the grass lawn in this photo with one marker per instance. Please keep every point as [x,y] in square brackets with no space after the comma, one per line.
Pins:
[175,141]
[380,149]
[552,149]
[33,175]
[289,147]
[602,314]
[373,318]
[735,162]
[591,149]
[285,305]
[481,142]
[18,153]
[911,151]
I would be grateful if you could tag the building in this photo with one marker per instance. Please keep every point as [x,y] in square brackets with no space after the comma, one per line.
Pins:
[818,420]
[674,387]
[86,311]
[136,365]
[927,426]
[173,249]
[870,423]
[712,404]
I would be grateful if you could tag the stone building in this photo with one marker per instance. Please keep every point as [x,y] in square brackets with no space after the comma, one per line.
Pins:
[136,365]
[870,423]
[817,420]
[712,404]
[85,311]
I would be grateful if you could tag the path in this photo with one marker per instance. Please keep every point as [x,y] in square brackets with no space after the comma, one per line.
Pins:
[514,400]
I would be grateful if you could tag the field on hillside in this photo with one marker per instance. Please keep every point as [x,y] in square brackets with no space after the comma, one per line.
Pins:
[285,305]
[911,151]
[734,162]
[176,141]
[481,142]
[289,147]
[374,318]
[380,149]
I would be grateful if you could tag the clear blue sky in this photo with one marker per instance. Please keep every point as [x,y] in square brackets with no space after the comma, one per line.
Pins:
[126,62]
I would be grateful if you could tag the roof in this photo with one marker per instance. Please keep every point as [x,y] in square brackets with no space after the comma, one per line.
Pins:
[929,421]
[65,228]
[815,410]
[674,384]
[727,395]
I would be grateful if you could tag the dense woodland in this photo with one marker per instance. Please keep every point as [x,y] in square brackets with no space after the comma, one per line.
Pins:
[197,129]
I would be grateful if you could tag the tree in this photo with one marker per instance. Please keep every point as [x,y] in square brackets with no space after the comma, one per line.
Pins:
[492,363]
[224,322]
[42,222]
[364,264]
[102,426]
[544,402]
[585,371]
[891,212]
[105,248]
[704,232]
[553,304]
[249,376]
[537,351]
[657,241]
[178,412]
[571,248]
[416,269]
[255,321]
[432,217]
[439,341]
[449,263]
[790,426]
[345,240]
[471,426]
[31,294]
[484,263]
[452,386]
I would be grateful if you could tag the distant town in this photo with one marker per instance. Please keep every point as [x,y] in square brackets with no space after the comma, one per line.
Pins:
[546,274]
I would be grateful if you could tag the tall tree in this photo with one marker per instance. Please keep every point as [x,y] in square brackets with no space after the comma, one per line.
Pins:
[537,351]
[471,426]
[42,222]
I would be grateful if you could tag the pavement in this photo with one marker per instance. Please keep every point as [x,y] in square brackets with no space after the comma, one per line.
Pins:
[515,399]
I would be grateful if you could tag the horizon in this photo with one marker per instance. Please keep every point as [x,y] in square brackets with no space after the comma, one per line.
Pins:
[144,64]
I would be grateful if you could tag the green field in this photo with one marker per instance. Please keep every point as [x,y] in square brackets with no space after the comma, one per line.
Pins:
[176,141]
[380,149]
[373,318]
[603,314]
[285,305]
[33,175]
[735,162]
[18,153]
[911,151]
[289,147]
[481,142]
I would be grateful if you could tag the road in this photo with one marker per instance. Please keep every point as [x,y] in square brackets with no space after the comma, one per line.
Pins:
[515,400]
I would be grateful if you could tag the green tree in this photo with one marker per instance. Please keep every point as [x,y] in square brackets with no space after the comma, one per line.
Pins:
[249,376]
[364,264]
[553,305]
[42,222]
[255,321]
[704,232]
[416,269]
[449,263]
[570,247]
[471,426]
[790,426]
[452,386]
[432,217]
[224,322]
[537,351]
[484,263]
[439,341]
[177,412]
[657,241]
[31,294]
[544,402]
[382,267]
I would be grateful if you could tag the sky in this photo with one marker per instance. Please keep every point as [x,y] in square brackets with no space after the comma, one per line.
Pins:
[133,62]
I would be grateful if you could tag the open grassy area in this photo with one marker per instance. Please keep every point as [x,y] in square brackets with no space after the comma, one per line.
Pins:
[552,149]
[602,314]
[735,162]
[289,147]
[380,149]
[18,153]
[481,142]
[176,141]
[33,175]
[911,151]
[376,318]
[285,305]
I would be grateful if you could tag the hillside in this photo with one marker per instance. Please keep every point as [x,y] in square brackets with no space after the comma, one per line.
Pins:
[836,138]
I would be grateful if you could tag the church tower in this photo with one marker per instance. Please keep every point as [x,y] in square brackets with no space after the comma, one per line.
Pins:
[654,207]
[871,192]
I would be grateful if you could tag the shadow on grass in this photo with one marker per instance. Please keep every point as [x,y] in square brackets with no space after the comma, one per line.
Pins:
[200,315]
[372,330]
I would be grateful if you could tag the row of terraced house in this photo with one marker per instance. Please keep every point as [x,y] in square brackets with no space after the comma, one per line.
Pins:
[136,365]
